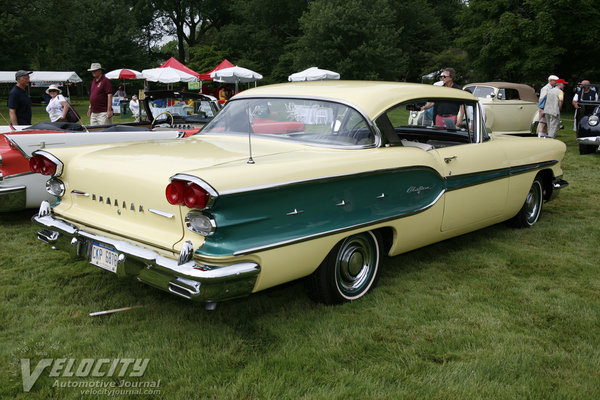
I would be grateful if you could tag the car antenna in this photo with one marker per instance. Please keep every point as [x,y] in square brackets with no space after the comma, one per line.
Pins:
[8,122]
[250,160]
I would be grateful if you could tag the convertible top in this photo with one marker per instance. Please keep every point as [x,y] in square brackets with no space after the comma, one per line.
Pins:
[526,92]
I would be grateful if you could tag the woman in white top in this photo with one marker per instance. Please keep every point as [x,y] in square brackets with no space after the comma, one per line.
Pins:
[134,106]
[57,107]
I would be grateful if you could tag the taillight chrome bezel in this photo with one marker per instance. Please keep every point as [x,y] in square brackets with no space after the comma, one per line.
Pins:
[55,187]
[187,182]
[209,224]
[48,158]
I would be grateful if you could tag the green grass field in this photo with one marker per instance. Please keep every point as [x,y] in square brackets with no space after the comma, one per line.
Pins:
[496,314]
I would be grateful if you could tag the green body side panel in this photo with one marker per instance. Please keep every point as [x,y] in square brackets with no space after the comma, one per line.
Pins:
[268,217]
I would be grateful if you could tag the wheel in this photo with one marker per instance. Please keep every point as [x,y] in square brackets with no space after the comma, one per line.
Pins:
[166,113]
[349,271]
[532,208]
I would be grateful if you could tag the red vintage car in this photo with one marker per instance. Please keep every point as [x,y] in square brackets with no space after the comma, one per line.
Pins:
[170,115]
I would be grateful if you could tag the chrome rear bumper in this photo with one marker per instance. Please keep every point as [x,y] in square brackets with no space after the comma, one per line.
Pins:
[13,198]
[189,279]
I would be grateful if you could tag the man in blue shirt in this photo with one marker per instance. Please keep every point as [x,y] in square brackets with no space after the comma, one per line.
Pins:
[19,102]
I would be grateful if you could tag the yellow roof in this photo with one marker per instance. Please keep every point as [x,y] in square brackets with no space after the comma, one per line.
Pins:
[373,97]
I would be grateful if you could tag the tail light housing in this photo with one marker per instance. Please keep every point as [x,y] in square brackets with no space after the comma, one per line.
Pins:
[190,192]
[45,164]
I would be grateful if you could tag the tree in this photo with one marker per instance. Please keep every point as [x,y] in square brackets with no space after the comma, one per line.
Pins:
[258,32]
[525,41]
[190,19]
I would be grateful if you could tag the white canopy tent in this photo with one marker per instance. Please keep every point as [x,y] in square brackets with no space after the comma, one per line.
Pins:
[52,77]
[313,74]
[44,78]
[167,75]
[235,75]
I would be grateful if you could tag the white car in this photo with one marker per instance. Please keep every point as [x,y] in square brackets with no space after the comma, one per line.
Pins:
[510,108]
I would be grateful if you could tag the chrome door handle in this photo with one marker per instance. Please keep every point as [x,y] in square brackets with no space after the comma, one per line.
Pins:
[448,159]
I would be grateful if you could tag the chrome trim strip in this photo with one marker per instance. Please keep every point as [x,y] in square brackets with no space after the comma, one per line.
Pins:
[51,157]
[324,179]
[79,193]
[505,173]
[334,231]
[12,188]
[161,213]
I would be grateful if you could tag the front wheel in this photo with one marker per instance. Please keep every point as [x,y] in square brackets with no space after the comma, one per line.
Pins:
[532,208]
[349,271]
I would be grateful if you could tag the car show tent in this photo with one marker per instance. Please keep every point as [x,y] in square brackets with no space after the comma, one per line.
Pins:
[222,65]
[173,63]
[235,75]
[313,74]
[45,78]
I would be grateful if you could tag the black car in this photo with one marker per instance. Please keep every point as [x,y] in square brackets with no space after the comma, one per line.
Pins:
[588,123]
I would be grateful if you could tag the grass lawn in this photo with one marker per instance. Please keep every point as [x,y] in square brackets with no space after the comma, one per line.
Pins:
[496,314]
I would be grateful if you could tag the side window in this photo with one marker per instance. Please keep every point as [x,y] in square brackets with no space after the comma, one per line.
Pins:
[501,94]
[511,94]
[483,92]
[438,122]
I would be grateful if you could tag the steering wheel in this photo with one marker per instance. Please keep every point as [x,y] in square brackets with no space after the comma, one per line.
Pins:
[164,112]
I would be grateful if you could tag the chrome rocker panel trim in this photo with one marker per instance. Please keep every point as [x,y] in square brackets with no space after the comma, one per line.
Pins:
[192,280]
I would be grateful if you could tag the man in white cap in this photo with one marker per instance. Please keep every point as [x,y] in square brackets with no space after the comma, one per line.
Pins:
[100,110]
[554,102]
[542,126]
[19,102]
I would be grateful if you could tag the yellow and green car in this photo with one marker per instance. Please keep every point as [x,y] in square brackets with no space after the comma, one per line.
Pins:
[315,180]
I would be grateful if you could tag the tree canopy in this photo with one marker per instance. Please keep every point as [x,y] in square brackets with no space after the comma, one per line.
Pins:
[398,40]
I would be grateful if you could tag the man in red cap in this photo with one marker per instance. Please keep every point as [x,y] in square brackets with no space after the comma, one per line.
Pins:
[554,102]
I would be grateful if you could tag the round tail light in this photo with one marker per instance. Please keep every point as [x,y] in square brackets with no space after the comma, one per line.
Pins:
[195,196]
[42,165]
[175,191]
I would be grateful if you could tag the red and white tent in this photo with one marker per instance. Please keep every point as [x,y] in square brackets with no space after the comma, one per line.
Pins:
[124,73]
[173,63]
[224,64]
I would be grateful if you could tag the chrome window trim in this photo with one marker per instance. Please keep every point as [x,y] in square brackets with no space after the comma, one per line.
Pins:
[372,126]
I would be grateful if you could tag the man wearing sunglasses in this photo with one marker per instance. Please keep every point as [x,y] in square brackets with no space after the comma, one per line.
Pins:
[442,109]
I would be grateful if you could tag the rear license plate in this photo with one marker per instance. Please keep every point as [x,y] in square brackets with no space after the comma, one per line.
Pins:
[104,257]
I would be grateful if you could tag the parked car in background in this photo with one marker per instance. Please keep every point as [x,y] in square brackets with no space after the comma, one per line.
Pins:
[182,115]
[181,110]
[588,127]
[509,107]
[315,180]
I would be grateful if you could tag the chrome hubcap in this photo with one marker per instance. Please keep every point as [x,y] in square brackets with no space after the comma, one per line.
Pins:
[355,263]
[532,203]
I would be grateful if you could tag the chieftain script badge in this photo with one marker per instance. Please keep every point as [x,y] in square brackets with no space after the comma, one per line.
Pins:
[417,189]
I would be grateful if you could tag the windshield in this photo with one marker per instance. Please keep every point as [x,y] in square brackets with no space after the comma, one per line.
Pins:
[309,121]
[182,106]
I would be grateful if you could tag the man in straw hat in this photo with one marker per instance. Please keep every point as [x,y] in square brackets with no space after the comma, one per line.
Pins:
[19,102]
[100,110]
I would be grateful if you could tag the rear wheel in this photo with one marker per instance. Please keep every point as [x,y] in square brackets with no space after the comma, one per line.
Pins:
[532,208]
[349,271]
